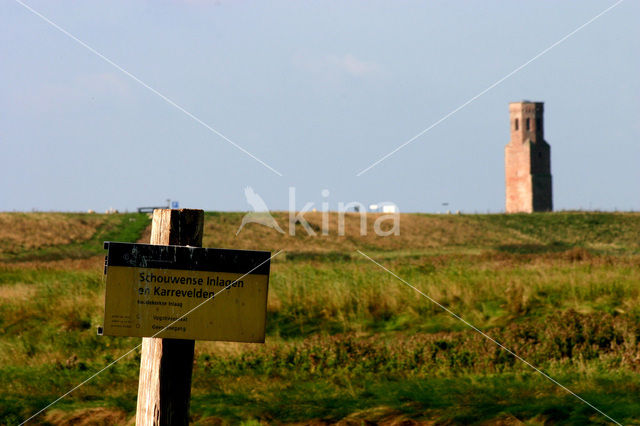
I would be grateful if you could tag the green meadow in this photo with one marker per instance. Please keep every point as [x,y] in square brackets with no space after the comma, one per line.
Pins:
[348,342]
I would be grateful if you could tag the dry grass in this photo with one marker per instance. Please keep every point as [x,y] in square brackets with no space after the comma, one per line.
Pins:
[440,234]
[416,232]
[435,233]
[27,231]
[89,417]
[16,293]
[95,263]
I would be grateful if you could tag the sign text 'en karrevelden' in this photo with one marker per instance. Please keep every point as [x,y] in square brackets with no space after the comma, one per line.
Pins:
[151,286]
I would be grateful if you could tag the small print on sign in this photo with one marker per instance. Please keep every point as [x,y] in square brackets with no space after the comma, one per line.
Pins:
[152,286]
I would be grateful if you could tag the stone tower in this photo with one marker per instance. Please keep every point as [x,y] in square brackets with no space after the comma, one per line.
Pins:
[527,160]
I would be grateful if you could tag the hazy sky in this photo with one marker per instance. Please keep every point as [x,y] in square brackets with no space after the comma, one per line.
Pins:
[318,91]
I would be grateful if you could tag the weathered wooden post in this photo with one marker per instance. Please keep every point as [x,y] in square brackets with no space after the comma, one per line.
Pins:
[178,290]
[164,388]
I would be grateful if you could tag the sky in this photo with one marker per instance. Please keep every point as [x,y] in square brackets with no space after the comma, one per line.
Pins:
[194,101]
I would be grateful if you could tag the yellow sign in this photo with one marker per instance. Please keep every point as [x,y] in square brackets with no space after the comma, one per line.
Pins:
[186,292]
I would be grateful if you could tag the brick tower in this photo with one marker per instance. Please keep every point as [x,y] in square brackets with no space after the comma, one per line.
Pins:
[527,160]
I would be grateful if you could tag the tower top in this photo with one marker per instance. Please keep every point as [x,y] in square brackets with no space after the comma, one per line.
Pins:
[526,121]
[526,106]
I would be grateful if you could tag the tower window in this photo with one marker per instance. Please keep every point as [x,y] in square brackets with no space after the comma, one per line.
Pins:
[516,124]
[528,124]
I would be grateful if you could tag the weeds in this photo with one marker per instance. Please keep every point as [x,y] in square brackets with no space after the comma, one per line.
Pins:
[346,340]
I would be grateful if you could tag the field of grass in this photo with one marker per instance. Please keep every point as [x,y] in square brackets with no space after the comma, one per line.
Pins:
[347,341]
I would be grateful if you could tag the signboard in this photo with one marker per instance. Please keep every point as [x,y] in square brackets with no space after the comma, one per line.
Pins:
[175,205]
[151,286]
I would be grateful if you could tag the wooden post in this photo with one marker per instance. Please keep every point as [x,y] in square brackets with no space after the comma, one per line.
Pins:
[164,389]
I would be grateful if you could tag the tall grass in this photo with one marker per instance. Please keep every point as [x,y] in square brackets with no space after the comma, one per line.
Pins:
[345,339]
[306,297]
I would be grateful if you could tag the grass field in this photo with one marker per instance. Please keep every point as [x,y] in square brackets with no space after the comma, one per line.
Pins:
[346,341]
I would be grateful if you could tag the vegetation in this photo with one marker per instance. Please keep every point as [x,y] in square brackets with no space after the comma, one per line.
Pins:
[56,236]
[346,340]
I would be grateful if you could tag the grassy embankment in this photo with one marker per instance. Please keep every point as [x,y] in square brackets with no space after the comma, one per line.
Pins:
[345,339]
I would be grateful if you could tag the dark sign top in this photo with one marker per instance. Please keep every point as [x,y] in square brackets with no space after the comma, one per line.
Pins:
[187,258]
